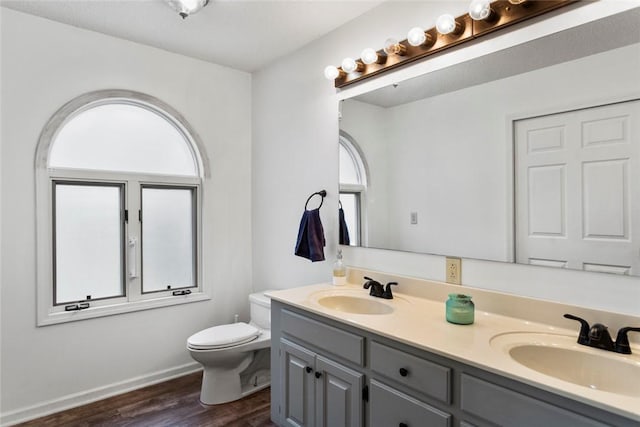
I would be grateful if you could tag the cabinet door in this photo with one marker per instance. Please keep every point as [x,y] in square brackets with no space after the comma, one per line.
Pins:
[338,395]
[297,365]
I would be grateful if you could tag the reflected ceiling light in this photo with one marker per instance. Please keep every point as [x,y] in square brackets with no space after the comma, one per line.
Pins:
[517,1]
[417,36]
[370,56]
[187,7]
[447,24]
[480,10]
[331,72]
[349,65]
[391,47]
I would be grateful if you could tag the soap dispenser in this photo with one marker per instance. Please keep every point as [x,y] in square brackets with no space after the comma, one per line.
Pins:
[339,271]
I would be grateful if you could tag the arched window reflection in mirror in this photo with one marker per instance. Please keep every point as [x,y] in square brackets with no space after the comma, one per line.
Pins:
[353,186]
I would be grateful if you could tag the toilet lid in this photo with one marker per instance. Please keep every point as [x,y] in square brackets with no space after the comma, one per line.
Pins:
[223,336]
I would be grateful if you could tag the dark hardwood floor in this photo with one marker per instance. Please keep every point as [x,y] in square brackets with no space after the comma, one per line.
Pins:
[171,403]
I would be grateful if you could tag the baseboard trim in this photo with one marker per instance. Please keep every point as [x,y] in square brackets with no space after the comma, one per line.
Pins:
[93,395]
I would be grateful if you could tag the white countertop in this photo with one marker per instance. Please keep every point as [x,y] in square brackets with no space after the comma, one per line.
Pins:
[420,323]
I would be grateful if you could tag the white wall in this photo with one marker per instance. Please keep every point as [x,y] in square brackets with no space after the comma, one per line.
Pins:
[44,65]
[295,113]
[448,155]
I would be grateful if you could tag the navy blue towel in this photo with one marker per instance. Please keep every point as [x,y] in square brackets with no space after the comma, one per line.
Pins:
[343,230]
[311,241]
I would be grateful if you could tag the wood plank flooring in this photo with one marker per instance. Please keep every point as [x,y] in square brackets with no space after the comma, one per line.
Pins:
[171,403]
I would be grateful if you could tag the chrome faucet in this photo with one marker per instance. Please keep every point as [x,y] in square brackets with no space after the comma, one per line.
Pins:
[377,290]
[598,336]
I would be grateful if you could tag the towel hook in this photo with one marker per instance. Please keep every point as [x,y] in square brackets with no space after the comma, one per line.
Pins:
[321,193]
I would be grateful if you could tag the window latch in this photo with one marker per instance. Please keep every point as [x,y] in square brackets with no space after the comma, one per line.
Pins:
[76,307]
[182,292]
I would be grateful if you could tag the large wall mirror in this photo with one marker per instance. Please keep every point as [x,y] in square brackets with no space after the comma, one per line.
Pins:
[528,155]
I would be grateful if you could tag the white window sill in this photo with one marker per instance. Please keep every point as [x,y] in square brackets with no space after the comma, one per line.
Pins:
[128,307]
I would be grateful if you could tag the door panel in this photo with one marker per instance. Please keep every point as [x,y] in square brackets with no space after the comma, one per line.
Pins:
[338,395]
[297,391]
[578,189]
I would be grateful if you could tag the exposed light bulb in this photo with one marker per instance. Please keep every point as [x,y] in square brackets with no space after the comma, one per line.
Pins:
[479,9]
[446,24]
[187,7]
[369,56]
[391,46]
[331,72]
[349,65]
[416,36]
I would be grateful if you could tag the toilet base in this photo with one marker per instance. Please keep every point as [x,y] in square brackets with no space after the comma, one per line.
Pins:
[223,387]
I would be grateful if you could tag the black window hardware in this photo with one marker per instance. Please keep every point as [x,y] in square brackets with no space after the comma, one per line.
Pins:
[182,292]
[597,336]
[76,307]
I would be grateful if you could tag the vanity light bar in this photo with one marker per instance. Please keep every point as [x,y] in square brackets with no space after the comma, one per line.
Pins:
[502,14]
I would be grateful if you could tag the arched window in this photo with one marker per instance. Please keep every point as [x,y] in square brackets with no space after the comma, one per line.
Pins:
[353,186]
[118,179]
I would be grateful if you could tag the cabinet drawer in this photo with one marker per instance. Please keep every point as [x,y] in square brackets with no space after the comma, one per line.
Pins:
[426,377]
[507,407]
[390,408]
[336,341]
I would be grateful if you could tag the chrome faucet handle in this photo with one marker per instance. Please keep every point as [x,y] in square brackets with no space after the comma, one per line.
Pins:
[583,336]
[622,341]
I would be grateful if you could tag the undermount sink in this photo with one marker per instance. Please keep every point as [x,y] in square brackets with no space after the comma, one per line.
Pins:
[559,356]
[354,304]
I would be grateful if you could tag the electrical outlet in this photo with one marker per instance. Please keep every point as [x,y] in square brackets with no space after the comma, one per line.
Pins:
[453,271]
[414,217]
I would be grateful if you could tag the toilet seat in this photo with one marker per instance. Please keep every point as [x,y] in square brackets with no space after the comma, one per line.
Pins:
[223,336]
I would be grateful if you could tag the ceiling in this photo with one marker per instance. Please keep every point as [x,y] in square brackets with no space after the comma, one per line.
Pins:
[242,34]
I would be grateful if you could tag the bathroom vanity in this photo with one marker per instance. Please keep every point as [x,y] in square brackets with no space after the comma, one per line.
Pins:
[337,361]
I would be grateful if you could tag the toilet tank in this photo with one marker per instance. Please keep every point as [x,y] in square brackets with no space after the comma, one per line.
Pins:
[260,309]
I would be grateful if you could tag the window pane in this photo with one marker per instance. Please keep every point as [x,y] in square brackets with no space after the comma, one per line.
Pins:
[351,207]
[88,242]
[348,168]
[168,238]
[125,138]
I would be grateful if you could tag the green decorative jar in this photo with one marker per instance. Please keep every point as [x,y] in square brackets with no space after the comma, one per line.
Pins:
[460,309]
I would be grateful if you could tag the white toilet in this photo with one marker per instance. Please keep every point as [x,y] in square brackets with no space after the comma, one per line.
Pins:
[235,357]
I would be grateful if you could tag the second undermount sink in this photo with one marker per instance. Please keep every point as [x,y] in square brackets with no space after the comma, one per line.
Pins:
[354,304]
[559,356]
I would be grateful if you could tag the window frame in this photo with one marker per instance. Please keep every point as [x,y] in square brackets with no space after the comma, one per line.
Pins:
[133,300]
[123,234]
[194,234]
[359,190]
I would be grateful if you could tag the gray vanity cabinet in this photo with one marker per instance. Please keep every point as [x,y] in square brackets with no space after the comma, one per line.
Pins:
[318,391]
[328,374]
[317,388]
